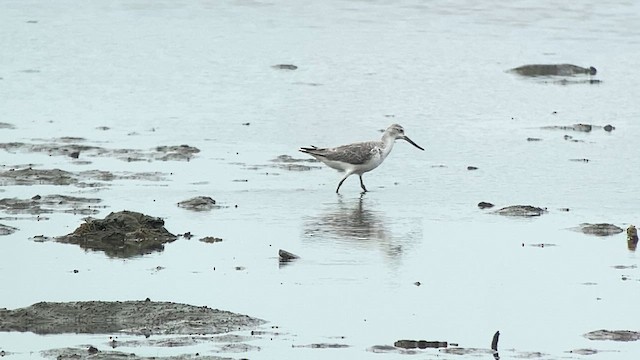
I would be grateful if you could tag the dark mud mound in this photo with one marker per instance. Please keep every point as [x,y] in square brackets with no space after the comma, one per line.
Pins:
[129,317]
[121,234]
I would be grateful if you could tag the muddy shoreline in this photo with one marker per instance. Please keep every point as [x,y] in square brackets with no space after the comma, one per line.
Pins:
[184,324]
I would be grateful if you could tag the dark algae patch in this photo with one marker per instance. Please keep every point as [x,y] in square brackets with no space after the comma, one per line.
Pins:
[121,234]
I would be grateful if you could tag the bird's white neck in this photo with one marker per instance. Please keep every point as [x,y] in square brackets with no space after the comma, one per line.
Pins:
[387,142]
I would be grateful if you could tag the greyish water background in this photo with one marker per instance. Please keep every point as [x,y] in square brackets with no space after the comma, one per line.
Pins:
[192,72]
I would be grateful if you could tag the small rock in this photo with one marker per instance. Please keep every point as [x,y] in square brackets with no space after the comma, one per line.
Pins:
[485,205]
[287,256]
[583,351]
[632,238]
[472,168]
[92,350]
[533,139]
[582,127]
[609,128]
[553,70]
[75,154]
[210,239]
[521,210]
[198,203]
[285,67]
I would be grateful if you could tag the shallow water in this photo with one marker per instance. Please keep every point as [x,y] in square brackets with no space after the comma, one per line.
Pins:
[183,72]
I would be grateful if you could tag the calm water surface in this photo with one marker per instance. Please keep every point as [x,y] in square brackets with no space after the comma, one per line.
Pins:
[192,72]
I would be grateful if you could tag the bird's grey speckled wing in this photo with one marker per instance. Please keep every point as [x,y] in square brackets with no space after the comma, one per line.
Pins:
[357,154]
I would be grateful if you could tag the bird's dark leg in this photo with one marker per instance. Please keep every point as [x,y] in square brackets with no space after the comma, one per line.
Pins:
[362,184]
[341,181]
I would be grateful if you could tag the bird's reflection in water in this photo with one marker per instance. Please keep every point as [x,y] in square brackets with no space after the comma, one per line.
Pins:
[355,223]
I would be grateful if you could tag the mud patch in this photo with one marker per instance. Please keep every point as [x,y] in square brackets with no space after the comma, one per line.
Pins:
[285,67]
[535,70]
[199,203]
[420,344]
[467,351]
[290,163]
[7,230]
[129,317]
[92,178]
[75,148]
[521,211]
[51,203]
[4,125]
[579,127]
[122,234]
[583,351]
[601,229]
[387,349]
[613,335]
[323,346]
[92,353]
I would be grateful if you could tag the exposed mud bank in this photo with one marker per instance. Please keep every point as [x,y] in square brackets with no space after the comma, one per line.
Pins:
[75,147]
[27,175]
[128,317]
[189,324]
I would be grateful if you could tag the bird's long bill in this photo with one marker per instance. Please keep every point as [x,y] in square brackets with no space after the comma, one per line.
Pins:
[412,143]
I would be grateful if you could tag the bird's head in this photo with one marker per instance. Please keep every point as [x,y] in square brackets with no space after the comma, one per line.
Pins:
[396,131]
